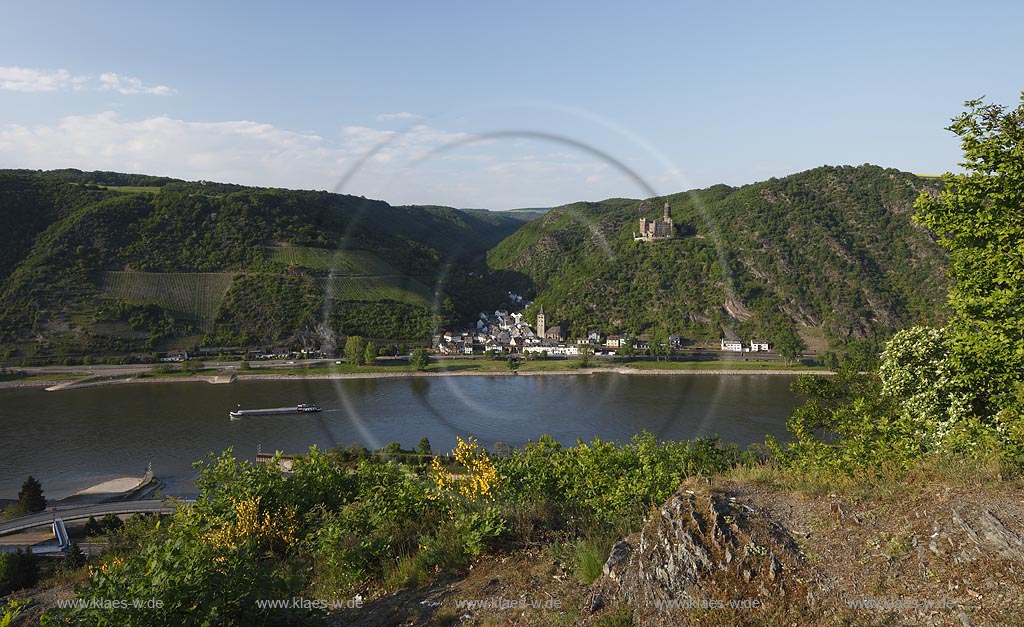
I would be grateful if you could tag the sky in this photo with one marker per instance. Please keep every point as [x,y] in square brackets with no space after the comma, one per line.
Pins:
[476,104]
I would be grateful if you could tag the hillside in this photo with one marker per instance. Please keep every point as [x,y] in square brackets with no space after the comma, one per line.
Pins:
[101,262]
[104,262]
[831,251]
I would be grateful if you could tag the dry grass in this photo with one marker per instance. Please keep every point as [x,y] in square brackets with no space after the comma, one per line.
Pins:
[883,482]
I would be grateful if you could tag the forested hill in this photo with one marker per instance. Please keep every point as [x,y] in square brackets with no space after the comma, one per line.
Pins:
[831,252]
[104,261]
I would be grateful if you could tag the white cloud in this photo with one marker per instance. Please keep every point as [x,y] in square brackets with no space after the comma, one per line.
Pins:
[233,151]
[14,78]
[129,86]
[402,115]
[403,170]
[392,146]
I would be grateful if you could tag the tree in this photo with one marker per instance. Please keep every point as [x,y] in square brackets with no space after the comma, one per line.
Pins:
[17,571]
[392,451]
[660,346]
[512,364]
[419,359]
[75,557]
[788,344]
[626,348]
[111,523]
[915,373]
[586,353]
[354,349]
[979,218]
[31,495]
[370,354]
[13,511]
[424,446]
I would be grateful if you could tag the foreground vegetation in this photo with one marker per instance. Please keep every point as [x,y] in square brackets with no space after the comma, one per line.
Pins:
[344,524]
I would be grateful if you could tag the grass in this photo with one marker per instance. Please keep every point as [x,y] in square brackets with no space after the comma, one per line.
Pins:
[619,617]
[500,365]
[377,288]
[721,365]
[404,573]
[133,189]
[50,376]
[361,262]
[356,275]
[188,295]
[56,376]
[589,557]
[886,481]
[446,365]
[177,374]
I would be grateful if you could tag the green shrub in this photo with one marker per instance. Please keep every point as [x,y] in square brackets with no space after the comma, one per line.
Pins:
[17,571]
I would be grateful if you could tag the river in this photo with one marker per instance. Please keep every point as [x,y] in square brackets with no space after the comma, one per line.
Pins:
[74,439]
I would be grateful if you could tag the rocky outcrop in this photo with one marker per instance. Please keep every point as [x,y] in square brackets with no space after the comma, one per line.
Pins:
[922,554]
[704,552]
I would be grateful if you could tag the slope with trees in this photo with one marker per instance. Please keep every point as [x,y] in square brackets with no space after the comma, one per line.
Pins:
[79,239]
[832,248]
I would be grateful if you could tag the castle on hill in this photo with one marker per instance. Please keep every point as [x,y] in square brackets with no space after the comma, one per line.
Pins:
[655,229]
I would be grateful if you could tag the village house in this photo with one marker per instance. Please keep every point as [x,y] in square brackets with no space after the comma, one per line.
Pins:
[594,338]
[732,345]
[759,346]
[553,350]
[175,356]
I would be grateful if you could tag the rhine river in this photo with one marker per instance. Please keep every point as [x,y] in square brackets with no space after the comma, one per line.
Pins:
[75,439]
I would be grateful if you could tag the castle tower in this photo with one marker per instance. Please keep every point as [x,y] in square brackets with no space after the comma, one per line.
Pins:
[668,213]
[541,326]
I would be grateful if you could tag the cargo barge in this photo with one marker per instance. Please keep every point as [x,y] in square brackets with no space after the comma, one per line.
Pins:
[301,408]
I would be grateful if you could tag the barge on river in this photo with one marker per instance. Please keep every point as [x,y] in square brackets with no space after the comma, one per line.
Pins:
[301,408]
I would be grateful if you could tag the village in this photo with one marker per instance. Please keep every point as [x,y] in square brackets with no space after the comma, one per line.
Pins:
[504,333]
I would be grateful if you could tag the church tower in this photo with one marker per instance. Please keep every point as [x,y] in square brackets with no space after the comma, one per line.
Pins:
[541,326]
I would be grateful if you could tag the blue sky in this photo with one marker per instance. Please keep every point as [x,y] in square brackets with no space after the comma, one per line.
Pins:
[684,94]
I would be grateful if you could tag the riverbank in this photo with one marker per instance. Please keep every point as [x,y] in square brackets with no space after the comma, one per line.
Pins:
[453,368]
[530,373]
